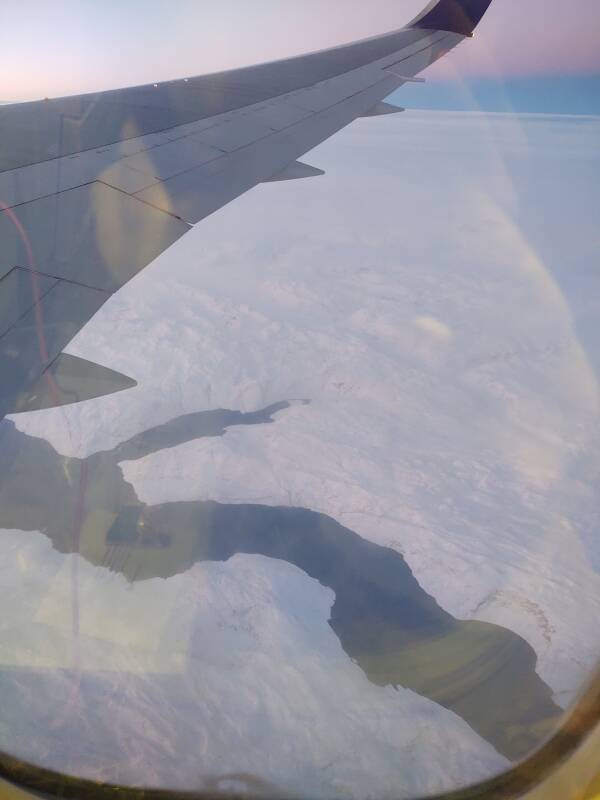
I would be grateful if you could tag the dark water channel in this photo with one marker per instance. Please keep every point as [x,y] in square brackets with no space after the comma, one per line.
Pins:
[386,623]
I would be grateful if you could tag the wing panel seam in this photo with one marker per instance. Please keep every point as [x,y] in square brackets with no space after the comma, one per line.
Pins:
[35,302]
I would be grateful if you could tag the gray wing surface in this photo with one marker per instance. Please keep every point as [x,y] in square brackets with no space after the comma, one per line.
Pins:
[93,188]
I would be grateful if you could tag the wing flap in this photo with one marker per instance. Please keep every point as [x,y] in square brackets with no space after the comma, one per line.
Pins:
[235,133]
[171,158]
[35,340]
[93,235]
[61,258]
[20,290]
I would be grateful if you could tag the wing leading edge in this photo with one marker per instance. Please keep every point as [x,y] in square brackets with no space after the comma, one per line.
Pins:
[94,188]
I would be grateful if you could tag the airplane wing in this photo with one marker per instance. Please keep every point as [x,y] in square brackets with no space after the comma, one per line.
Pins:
[93,188]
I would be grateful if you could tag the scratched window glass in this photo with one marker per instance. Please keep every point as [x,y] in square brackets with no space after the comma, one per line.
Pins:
[299,392]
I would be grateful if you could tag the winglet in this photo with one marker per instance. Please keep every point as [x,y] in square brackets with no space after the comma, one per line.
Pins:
[454,16]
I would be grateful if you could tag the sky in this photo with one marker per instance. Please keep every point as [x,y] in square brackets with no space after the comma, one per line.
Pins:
[519,52]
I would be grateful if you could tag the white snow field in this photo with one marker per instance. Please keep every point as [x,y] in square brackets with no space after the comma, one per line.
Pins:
[436,297]
[235,671]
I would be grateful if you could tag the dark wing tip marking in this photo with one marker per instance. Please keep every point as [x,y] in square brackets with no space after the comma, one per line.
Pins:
[454,16]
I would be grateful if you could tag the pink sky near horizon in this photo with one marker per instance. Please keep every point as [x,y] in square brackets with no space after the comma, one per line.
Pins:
[71,46]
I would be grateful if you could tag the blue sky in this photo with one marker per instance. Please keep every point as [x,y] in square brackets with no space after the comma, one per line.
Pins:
[73,46]
[556,94]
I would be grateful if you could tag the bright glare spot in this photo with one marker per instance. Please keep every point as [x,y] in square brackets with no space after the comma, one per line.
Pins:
[434,327]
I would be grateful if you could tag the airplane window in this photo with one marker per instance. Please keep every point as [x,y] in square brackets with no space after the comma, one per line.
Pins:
[299,397]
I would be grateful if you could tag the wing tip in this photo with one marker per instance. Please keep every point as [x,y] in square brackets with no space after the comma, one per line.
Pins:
[454,16]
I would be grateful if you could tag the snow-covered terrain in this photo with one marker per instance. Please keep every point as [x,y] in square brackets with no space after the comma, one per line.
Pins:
[436,298]
[228,669]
